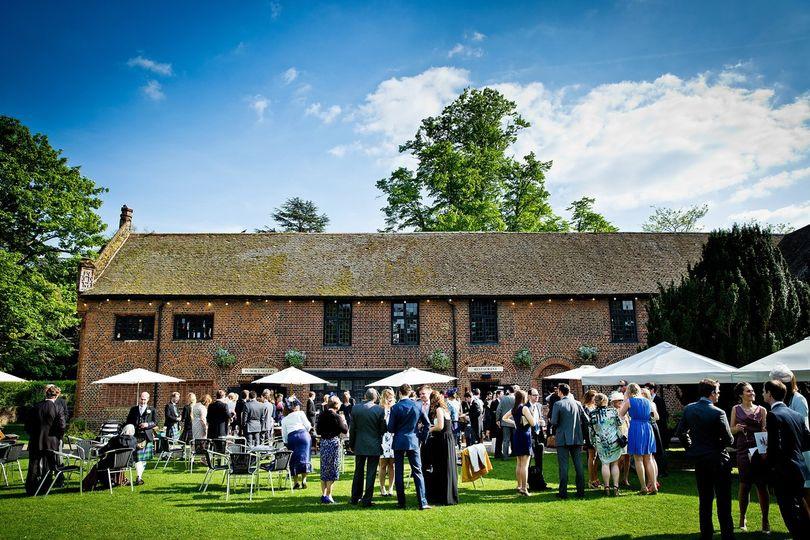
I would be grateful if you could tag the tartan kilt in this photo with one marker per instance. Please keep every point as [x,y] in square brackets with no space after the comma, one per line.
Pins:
[146,453]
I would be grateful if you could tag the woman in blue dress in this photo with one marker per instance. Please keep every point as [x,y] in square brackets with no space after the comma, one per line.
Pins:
[640,438]
[522,416]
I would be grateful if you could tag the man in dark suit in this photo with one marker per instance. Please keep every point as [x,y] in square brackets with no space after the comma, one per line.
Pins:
[705,433]
[476,414]
[144,418]
[788,437]
[424,404]
[46,426]
[498,435]
[218,416]
[188,433]
[365,440]
[506,427]
[310,408]
[240,412]
[403,422]
[569,421]
[171,415]
[253,420]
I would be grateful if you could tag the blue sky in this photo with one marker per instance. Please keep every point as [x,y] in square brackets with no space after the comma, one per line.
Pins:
[204,117]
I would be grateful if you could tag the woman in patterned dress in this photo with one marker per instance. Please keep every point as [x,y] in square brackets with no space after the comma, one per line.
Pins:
[330,427]
[748,418]
[387,457]
[605,428]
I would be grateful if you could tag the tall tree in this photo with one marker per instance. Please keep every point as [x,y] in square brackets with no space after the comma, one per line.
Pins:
[675,220]
[464,180]
[298,215]
[584,219]
[48,220]
[739,303]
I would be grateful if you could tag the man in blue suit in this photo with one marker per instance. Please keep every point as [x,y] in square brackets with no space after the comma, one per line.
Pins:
[403,422]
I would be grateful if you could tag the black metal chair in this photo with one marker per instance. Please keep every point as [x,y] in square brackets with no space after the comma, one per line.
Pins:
[279,464]
[9,455]
[199,447]
[215,462]
[241,464]
[169,449]
[117,461]
[108,430]
[67,464]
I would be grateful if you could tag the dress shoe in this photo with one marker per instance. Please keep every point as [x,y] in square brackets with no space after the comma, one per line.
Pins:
[367,504]
[139,482]
[401,506]
[426,507]
[353,502]
[562,496]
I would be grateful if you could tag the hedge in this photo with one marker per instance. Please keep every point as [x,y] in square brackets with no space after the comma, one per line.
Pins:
[29,393]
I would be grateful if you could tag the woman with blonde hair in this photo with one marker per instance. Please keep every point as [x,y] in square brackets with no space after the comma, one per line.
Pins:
[387,457]
[199,416]
[606,430]
[640,440]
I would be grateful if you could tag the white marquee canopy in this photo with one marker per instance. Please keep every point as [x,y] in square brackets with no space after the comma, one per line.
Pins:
[662,364]
[413,376]
[573,374]
[796,358]
[8,377]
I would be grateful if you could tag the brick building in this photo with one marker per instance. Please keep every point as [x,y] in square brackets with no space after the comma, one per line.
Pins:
[362,306]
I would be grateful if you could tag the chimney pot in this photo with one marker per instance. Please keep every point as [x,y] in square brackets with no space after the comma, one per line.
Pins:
[126,216]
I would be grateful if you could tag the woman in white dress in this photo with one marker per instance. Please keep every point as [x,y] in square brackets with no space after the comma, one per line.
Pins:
[387,457]
[199,415]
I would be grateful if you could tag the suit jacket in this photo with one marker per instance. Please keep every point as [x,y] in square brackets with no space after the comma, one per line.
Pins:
[367,429]
[136,419]
[663,415]
[403,422]
[569,419]
[46,427]
[240,413]
[253,416]
[267,415]
[310,412]
[704,431]
[171,415]
[506,404]
[217,418]
[788,437]
[186,417]
[476,414]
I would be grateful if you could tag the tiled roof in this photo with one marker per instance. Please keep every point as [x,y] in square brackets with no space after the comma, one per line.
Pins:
[795,247]
[394,265]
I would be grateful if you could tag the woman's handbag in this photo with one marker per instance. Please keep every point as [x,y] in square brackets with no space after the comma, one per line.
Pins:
[622,440]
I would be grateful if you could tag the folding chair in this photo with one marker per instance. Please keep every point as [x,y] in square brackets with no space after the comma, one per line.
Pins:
[280,464]
[108,430]
[120,460]
[65,469]
[10,454]
[170,448]
[86,449]
[215,462]
[199,447]
[241,464]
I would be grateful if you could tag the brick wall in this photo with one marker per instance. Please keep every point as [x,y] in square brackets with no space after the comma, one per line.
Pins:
[259,332]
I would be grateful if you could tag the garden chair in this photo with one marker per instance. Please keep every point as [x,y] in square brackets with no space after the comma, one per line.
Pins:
[108,430]
[241,464]
[67,465]
[9,455]
[86,449]
[170,449]
[215,462]
[280,464]
[199,447]
[117,461]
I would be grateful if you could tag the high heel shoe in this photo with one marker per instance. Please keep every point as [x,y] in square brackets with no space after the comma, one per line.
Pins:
[614,491]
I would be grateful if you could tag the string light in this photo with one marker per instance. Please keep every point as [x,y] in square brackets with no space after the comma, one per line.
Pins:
[188,303]
[247,302]
[128,300]
[209,303]
[168,303]
[288,301]
[530,303]
[513,303]
[265,300]
[428,300]
[226,303]
[108,299]
[150,303]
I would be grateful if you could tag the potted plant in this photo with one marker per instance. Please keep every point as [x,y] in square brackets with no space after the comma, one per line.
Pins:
[223,358]
[295,358]
[523,358]
[439,360]
[587,353]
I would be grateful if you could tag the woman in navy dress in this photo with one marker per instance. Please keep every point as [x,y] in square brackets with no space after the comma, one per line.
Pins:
[640,438]
[523,418]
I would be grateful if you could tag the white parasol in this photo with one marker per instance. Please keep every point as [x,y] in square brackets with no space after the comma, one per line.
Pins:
[7,377]
[572,374]
[291,375]
[413,376]
[138,376]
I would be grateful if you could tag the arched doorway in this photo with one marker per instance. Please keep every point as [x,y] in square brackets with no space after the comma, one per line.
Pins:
[550,365]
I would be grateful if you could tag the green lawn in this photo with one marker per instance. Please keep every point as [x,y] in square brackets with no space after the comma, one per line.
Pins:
[169,505]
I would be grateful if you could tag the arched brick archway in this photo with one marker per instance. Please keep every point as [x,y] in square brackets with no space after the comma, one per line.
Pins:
[550,366]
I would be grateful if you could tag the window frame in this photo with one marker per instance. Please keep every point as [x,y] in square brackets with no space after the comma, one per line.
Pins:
[119,316]
[482,318]
[178,316]
[337,319]
[405,318]
[618,301]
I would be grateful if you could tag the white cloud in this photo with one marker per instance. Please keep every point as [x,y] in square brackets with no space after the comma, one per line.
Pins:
[465,50]
[290,75]
[796,214]
[153,90]
[150,65]
[327,116]
[343,149]
[394,110]
[259,104]
[765,186]
[477,36]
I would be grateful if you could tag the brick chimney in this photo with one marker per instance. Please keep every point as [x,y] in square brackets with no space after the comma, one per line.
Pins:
[126,217]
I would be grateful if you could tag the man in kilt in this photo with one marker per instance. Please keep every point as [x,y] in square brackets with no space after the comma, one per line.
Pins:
[143,417]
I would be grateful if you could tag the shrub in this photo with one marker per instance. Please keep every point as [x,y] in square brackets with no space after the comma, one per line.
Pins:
[295,358]
[587,352]
[523,358]
[439,360]
[78,428]
[31,392]
[223,358]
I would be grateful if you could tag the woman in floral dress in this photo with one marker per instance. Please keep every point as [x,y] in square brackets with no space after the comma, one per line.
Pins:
[605,429]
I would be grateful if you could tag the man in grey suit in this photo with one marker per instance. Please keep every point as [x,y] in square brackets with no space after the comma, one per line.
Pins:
[253,420]
[507,427]
[569,419]
[365,440]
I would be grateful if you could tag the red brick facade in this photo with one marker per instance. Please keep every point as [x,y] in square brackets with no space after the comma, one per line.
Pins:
[258,332]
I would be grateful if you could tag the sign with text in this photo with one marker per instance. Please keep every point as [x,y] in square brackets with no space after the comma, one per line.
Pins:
[484,369]
[258,370]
